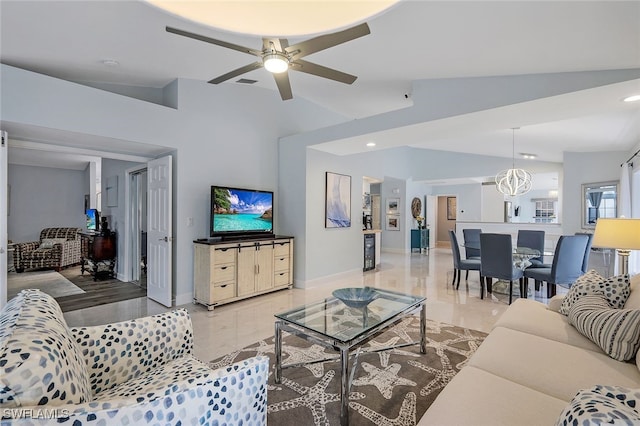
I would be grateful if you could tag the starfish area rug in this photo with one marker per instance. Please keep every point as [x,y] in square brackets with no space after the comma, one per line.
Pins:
[392,387]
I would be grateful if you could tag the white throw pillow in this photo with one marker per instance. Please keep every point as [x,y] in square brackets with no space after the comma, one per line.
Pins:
[48,243]
[615,289]
[615,331]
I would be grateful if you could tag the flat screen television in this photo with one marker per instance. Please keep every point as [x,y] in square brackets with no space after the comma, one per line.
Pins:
[93,219]
[238,212]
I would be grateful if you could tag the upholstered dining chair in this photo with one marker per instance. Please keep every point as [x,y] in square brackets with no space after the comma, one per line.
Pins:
[472,243]
[461,264]
[499,264]
[534,240]
[587,251]
[566,267]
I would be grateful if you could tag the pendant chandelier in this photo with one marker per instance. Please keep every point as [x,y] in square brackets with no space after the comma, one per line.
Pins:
[513,182]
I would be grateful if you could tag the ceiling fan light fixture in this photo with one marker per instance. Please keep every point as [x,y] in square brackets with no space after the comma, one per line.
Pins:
[275,62]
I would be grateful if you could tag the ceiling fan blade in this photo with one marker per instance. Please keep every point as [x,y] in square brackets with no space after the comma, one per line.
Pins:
[320,71]
[326,41]
[214,41]
[284,86]
[279,44]
[236,72]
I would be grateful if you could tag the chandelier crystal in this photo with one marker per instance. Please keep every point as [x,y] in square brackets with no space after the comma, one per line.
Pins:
[513,182]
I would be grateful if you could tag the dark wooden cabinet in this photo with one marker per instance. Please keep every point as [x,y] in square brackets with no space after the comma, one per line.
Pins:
[99,253]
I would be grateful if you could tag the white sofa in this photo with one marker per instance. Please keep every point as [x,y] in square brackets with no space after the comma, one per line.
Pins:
[529,368]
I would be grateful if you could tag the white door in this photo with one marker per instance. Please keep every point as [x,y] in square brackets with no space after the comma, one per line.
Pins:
[159,238]
[431,218]
[3,217]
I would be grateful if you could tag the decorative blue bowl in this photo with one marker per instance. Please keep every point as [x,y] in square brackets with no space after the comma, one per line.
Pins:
[356,297]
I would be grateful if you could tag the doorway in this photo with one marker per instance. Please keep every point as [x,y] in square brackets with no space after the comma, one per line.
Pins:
[447,211]
[138,230]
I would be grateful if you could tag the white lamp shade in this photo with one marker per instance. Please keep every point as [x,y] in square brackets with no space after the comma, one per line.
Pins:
[622,234]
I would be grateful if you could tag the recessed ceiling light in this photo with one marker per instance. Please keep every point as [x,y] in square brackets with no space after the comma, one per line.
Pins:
[633,98]
[110,62]
[371,144]
[528,156]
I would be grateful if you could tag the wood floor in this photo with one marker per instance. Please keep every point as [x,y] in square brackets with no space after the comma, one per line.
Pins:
[96,292]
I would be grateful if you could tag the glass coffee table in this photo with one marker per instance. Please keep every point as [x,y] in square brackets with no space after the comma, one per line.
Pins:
[344,322]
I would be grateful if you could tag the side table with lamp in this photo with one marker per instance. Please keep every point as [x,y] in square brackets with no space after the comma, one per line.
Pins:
[621,234]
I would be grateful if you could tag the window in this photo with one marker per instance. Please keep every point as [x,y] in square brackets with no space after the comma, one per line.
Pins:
[599,200]
[545,210]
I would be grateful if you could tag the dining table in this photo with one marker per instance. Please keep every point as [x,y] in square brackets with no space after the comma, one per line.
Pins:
[521,259]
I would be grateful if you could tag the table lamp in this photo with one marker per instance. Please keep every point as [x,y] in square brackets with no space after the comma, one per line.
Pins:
[620,234]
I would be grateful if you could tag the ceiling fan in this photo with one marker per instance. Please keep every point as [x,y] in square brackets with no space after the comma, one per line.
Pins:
[278,57]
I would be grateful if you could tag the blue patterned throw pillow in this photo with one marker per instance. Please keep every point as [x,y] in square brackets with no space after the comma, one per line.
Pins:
[602,405]
[615,289]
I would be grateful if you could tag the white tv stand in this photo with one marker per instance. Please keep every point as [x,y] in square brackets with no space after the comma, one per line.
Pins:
[231,270]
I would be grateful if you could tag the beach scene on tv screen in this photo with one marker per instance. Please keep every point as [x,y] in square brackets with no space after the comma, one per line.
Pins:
[239,210]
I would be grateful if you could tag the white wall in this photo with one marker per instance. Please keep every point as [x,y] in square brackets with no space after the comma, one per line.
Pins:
[43,197]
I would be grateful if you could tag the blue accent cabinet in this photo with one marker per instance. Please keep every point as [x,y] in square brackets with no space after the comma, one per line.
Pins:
[420,240]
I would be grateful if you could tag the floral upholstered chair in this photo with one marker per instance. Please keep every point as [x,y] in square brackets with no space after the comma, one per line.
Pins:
[138,372]
[57,248]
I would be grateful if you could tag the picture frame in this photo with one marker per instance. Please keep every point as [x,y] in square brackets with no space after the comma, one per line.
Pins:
[393,206]
[393,222]
[337,200]
[451,208]
[366,201]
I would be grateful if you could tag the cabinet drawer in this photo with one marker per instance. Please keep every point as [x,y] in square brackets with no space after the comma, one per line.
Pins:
[281,263]
[224,255]
[281,249]
[223,273]
[281,278]
[223,291]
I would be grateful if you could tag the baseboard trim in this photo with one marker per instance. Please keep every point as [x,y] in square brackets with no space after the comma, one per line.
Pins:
[304,284]
[183,299]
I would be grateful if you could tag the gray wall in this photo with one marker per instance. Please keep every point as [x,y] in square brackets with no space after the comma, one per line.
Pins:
[585,167]
[116,215]
[228,134]
[220,134]
[321,252]
[43,197]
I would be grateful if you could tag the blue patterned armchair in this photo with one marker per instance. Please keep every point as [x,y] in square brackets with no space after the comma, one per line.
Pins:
[133,372]
[57,248]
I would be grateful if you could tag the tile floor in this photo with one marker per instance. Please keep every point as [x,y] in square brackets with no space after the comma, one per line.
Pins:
[236,325]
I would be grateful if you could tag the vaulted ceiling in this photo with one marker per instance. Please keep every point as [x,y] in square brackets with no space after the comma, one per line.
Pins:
[411,41]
